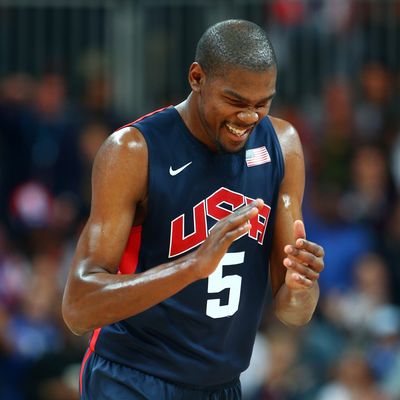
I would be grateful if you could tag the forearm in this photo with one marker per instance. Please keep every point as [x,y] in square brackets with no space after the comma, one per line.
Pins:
[96,295]
[101,298]
[296,307]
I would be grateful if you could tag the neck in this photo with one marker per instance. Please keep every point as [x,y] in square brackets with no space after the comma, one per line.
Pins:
[185,110]
[188,111]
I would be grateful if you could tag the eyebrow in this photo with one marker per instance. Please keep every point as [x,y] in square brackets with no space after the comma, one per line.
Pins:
[243,99]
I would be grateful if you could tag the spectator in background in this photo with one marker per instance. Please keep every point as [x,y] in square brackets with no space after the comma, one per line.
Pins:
[328,228]
[334,221]
[29,331]
[352,380]
[52,120]
[285,378]
[95,102]
[374,113]
[14,273]
[370,193]
[336,136]
[91,135]
[16,92]
[383,350]
[350,310]
[32,331]
[95,91]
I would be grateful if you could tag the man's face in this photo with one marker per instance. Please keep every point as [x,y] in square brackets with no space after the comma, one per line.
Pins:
[230,106]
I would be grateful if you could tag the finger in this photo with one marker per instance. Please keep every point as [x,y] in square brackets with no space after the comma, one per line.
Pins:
[232,235]
[301,279]
[301,268]
[305,257]
[244,214]
[239,217]
[299,229]
[316,264]
[311,247]
[259,203]
[250,209]
[238,220]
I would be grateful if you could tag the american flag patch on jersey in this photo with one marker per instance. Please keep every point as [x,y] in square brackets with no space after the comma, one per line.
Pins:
[257,156]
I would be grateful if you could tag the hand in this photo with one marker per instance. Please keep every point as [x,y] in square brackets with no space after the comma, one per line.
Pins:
[304,260]
[222,235]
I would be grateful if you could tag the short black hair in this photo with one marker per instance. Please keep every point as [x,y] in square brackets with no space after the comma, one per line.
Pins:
[235,43]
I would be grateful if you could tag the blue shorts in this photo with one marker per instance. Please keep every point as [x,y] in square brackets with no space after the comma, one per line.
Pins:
[105,380]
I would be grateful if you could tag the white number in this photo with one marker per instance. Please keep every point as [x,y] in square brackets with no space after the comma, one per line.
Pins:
[217,283]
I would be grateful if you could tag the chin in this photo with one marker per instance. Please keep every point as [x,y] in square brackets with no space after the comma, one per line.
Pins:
[232,149]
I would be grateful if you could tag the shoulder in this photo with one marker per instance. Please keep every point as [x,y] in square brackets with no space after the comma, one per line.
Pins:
[289,140]
[287,135]
[125,145]
[122,158]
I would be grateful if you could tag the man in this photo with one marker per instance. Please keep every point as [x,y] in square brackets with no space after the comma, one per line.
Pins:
[199,198]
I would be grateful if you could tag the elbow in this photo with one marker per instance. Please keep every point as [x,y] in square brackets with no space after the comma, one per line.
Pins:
[73,319]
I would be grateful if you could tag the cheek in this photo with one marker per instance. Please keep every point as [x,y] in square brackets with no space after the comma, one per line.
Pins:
[223,113]
[213,114]
[214,111]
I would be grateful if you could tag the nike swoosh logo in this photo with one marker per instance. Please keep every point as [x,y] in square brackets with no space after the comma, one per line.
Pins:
[174,172]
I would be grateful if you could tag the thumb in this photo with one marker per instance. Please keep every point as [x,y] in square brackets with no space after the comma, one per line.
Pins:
[299,230]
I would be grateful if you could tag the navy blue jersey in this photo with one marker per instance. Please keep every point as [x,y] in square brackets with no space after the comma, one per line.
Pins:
[203,335]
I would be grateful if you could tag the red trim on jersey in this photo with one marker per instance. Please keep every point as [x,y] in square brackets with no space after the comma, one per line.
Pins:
[130,257]
[143,117]
[94,338]
[85,358]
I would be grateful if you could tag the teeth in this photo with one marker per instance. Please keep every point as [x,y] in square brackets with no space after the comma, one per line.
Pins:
[236,131]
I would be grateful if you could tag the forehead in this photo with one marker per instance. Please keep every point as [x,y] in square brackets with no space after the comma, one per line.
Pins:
[246,83]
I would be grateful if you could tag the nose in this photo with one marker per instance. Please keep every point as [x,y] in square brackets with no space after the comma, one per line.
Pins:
[248,117]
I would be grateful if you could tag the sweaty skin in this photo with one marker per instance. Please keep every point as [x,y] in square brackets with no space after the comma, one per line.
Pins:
[295,262]
[93,284]
[221,112]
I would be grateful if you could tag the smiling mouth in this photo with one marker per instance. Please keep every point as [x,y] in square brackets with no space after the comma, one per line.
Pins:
[236,131]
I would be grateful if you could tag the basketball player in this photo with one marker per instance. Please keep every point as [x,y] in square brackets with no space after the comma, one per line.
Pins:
[193,207]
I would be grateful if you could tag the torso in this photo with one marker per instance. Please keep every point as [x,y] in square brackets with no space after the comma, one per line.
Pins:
[204,334]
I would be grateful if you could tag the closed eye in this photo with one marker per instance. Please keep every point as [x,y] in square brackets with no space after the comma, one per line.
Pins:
[236,103]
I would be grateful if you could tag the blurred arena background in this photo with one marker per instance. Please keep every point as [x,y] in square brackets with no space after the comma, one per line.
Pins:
[72,71]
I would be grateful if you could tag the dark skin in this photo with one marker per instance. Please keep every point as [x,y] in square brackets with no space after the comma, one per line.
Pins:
[221,111]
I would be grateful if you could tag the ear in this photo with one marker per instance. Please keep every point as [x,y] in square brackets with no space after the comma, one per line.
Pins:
[196,77]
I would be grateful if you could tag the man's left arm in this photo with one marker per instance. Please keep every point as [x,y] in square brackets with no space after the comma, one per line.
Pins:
[295,262]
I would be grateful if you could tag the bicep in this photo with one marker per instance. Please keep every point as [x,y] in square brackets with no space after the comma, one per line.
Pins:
[118,186]
[288,205]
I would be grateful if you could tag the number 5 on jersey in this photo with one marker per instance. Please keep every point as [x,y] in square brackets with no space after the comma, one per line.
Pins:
[217,283]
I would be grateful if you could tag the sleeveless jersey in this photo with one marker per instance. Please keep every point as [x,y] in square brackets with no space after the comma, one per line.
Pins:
[203,335]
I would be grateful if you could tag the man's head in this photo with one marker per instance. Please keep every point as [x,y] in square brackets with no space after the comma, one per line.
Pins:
[233,82]
[234,43]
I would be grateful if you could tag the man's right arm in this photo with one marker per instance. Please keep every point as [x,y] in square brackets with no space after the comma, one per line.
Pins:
[95,294]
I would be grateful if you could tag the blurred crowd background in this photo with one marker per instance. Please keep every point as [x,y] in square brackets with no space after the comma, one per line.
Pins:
[73,71]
